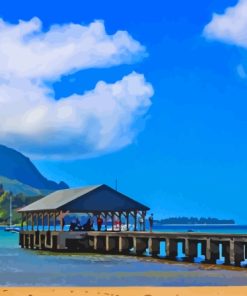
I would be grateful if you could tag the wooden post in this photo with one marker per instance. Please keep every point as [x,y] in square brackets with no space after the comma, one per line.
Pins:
[26,221]
[107,243]
[144,220]
[54,219]
[48,222]
[127,218]
[22,216]
[37,220]
[32,221]
[105,221]
[42,220]
[95,243]
[120,244]
[112,220]
[61,216]
[135,217]
[120,222]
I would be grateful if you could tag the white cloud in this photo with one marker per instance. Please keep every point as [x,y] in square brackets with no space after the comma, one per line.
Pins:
[27,52]
[99,121]
[230,27]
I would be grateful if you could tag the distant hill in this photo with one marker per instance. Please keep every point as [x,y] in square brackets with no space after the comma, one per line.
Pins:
[17,187]
[193,220]
[16,166]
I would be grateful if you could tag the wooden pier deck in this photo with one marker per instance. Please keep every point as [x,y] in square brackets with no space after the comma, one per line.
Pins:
[233,245]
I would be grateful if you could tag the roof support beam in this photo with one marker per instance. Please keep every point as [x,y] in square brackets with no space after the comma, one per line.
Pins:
[54,220]
[135,217]
[37,217]
[37,220]
[112,220]
[48,220]
[43,222]
[127,220]
[32,221]
[144,220]
[120,221]
[26,221]
[22,218]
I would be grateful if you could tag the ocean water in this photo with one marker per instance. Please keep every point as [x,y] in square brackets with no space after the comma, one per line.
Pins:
[234,229]
[21,267]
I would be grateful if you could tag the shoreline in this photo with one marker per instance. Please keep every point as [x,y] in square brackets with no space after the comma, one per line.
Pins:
[124,291]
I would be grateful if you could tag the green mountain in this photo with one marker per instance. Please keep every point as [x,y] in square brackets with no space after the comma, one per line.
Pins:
[17,187]
[21,180]
[16,166]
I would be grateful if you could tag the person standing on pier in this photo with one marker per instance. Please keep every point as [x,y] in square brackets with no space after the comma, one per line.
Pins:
[99,222]
[141,223]
[151,222]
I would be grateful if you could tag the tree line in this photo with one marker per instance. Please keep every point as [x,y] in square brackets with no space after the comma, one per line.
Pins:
[18,201]
[194,220]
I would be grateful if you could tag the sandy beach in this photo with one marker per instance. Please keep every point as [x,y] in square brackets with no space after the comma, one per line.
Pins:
[123,291]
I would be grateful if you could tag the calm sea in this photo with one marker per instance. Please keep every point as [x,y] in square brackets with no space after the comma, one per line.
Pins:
[21,267]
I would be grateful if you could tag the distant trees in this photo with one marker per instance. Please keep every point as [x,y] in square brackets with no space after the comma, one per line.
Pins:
[194,220]
[18,201]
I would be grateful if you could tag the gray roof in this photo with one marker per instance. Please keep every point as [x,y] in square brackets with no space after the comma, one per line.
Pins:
[88,198]
[57,199]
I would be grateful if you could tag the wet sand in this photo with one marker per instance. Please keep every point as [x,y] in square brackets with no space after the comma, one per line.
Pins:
[125,291]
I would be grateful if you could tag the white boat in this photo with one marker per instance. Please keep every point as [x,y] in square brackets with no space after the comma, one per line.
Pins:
[13,229]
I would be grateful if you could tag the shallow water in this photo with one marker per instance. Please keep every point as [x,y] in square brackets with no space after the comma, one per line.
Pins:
[21,267]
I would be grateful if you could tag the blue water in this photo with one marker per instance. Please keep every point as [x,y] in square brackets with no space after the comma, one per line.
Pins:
[234,229]
[21,267]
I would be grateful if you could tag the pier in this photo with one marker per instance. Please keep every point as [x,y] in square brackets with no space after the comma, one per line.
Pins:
[140,243]
[40,230]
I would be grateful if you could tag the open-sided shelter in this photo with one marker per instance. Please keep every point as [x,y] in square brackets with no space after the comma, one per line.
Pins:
[97,200]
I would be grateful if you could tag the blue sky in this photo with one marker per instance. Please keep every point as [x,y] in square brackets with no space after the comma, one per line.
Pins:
[189,154]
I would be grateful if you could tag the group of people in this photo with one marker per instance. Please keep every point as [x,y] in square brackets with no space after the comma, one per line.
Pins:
[142,221]
[75,225]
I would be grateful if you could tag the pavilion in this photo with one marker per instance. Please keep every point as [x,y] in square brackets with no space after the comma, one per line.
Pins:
[95,200]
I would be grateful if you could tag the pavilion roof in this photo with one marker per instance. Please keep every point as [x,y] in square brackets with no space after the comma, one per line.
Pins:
[96,198]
